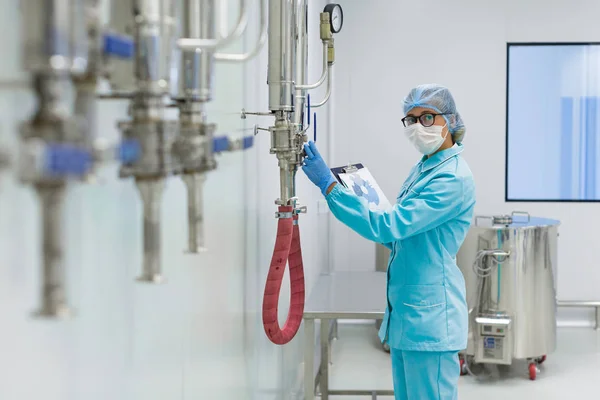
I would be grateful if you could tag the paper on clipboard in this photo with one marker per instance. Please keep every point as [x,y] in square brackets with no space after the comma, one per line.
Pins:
[362,183]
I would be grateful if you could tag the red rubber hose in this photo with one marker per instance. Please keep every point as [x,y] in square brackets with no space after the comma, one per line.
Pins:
[287,248]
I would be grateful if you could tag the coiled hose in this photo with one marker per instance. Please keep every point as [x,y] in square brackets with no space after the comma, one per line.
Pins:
[287,249]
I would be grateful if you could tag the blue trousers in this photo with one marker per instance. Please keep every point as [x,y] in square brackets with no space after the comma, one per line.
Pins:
[425,375]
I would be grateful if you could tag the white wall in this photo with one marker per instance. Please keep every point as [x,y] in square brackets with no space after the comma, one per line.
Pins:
[395,45]
[200,336]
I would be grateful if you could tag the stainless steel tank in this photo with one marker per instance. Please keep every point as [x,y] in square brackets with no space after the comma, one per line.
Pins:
[509,264]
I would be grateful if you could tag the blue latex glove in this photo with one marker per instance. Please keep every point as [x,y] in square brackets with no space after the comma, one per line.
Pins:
[315,168]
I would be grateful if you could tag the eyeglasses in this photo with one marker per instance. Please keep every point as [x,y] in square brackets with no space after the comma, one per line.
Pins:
[427,119]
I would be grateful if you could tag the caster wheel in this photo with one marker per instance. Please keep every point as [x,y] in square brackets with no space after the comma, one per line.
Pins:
[463,367]
[532,371]
[541,360]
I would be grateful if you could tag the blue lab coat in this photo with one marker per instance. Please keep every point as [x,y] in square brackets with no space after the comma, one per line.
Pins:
[426,296]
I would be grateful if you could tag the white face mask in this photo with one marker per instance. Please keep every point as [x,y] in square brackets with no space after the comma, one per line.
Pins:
[426,139]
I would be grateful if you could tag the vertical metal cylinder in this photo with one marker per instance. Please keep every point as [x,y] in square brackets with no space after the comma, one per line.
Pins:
[287,181]
[52,91]
[54,35]
[86,111]
[195,186]
[301,60]
[282,54]
[86,84]
[154,36]
[151,191]
[54,298]
[196,76]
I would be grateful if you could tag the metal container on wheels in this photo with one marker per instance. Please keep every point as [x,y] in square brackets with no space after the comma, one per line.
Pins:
[509,265]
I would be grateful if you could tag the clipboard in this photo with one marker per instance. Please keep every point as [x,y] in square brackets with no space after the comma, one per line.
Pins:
[358,179]
[350,168]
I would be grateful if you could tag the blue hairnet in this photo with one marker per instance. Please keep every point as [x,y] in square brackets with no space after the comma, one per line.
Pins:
[439,99]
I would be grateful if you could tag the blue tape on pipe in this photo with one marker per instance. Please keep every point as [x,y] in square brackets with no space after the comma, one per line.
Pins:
[118,46]
[64,160]
[248,142]
[220,144]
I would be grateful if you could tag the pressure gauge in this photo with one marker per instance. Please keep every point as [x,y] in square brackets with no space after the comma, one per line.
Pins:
[336,17]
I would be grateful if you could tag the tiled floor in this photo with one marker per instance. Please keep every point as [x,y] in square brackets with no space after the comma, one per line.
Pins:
[571,373]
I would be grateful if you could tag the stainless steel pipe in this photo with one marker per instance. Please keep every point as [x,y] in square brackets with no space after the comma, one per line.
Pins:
[328,93]
[199,44]
[53,290]
[197,67]
[282,54]
[262,39]
[323,73]
[86,111]
[301,61]
[195,192]
[287,181]
[54,35]
[151,191]
[154,34]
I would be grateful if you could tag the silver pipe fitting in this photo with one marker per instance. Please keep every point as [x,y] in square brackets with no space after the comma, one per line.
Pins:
[240,26]
[323,74]
[193,147]
[52,123]
[200,44]
[195,189]
[195,81]
[154,32]
[53,297]
[151,191]
[301,60]
[262,39]
[54,36]
[86,111]
[56,50]
[282,54]
[287,181]
[86,84]
[328,94]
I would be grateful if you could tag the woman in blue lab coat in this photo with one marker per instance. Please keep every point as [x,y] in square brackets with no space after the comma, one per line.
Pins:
[426,319]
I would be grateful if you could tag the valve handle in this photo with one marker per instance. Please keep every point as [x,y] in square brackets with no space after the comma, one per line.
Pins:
[308,103]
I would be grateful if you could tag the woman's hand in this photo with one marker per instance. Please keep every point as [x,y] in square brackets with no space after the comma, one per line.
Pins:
[316,169]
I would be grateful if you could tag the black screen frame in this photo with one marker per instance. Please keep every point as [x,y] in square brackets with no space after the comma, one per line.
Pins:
[509,45]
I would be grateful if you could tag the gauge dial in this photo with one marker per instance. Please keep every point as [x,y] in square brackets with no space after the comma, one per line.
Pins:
[336,17]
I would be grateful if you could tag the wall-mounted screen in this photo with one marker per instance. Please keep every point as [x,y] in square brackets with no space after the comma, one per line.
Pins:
[553,122]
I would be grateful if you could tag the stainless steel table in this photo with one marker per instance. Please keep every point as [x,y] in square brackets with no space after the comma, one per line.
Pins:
[341,295]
